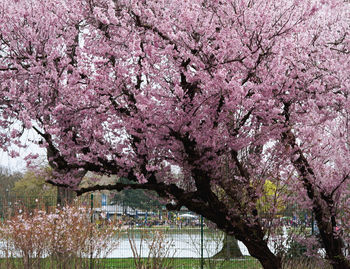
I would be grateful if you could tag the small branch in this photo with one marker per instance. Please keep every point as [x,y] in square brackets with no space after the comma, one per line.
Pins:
[338,186]
[244,173]
[8,68]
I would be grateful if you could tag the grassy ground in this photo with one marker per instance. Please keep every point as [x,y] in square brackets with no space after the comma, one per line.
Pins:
[185,263]
[129,263]
[170,230]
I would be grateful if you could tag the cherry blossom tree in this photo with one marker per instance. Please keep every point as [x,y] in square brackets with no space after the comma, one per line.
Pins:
[200,101]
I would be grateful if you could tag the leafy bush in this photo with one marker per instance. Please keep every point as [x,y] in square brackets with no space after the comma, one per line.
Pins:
[64,237]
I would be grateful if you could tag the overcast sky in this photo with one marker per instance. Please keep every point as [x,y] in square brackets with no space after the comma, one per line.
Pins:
[19,164]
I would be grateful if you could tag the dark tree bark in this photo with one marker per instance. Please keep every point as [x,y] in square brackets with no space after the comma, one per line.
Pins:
[259,250]
[252,237]
[332,242]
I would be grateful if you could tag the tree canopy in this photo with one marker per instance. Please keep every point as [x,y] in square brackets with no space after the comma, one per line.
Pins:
[189,99]
[7,182]
[137,198]
[33,185]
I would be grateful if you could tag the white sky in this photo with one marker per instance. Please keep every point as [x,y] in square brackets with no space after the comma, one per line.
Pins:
[19,164]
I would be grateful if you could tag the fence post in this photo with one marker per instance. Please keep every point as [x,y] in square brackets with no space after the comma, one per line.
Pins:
[202,240]
[92,220]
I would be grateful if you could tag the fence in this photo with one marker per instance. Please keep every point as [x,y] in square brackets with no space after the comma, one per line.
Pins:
[152,238]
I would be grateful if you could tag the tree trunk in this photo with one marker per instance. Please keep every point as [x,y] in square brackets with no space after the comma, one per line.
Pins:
[332,242]
[259,250]
[230,249]
[335,255]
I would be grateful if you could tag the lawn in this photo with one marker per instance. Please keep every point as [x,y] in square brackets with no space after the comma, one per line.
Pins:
[129,263]
[188,263]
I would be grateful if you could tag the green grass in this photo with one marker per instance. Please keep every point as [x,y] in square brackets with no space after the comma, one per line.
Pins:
[167,229]
[188,263]
[128,263]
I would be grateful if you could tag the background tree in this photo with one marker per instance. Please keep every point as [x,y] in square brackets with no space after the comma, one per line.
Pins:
[230,249]
[137,199]
[230,93]
[7,181]
[32,189]
[32,185]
